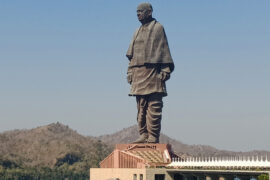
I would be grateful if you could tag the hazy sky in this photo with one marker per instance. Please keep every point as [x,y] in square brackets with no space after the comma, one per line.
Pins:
[64,60]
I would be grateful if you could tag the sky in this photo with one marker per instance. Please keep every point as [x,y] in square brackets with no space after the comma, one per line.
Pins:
[64,61]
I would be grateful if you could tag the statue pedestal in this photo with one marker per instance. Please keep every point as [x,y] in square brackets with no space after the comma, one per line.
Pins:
[139,156]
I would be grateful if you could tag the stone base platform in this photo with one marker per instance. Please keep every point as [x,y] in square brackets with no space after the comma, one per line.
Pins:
[139,156]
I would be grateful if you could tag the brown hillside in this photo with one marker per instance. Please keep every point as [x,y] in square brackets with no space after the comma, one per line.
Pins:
[50,145]
[130,134]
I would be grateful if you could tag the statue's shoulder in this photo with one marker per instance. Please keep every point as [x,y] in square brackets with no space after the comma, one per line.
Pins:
[158,26]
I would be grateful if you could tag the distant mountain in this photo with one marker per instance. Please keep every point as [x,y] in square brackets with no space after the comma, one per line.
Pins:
[130,134]
[52,145]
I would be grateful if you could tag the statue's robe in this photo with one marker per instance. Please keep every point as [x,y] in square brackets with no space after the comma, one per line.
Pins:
[149,54]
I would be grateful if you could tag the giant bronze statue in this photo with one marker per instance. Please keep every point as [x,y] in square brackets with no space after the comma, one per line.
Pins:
[150,66]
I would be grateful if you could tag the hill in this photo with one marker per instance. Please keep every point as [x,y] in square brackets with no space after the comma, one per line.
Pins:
[130,134]
[51,146]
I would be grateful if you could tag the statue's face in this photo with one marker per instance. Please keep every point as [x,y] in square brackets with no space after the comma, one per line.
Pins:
[143,13]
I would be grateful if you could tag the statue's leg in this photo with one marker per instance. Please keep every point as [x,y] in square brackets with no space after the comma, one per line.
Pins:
[153,117]
[141,118]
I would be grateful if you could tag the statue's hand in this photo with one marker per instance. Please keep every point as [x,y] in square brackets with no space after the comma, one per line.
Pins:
[129,78]
[164,76]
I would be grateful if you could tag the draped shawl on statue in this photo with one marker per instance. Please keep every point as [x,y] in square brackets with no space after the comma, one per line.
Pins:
[156,46]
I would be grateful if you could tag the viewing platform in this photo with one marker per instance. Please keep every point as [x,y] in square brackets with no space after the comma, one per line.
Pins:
[222,163]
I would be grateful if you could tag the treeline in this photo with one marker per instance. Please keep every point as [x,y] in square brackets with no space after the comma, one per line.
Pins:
[41,174]
[12,171]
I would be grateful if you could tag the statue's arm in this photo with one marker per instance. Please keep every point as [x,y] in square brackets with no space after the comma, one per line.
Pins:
[165,72]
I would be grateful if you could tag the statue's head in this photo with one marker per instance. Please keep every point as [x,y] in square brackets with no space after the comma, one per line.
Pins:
[144,12]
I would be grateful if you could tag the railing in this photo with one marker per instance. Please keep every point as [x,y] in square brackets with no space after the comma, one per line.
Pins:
[222,162]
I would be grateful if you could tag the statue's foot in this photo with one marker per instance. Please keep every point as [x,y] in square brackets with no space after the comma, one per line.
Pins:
[141,139]
[152,139]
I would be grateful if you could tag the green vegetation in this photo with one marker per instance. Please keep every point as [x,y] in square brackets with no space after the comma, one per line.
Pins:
[42,174]
[263,177]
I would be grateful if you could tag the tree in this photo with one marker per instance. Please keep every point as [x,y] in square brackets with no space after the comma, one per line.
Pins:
[263,177]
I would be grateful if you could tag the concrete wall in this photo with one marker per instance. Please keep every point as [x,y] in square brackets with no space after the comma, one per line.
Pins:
[150,173]
[121,173]
[127,173]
